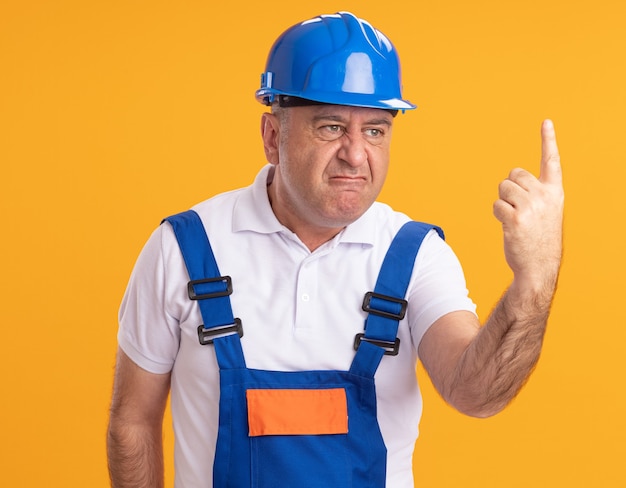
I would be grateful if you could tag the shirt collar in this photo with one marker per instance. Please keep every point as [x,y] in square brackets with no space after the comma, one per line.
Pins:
[253,212]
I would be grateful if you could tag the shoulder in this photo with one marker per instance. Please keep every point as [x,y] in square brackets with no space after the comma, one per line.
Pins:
[387,222]
[220,201]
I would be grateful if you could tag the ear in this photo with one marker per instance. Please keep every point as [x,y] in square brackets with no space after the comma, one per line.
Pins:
[270,132]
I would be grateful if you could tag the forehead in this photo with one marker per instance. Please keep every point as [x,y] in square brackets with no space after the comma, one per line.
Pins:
[341,113]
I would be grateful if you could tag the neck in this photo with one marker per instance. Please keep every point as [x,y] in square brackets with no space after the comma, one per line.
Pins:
[312,235]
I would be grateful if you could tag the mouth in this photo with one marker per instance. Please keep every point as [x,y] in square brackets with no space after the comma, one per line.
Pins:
[349,178]
[348,183]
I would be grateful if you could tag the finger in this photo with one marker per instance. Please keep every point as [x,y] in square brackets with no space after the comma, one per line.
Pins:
[522,178]
[550,171]
[511,192]
[503,211]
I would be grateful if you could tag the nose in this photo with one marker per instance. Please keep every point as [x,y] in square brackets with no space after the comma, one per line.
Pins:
[353,149]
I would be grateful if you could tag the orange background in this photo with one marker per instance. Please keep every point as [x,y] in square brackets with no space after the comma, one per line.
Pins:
[114,114]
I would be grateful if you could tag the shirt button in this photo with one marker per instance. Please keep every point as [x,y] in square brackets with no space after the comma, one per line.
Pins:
[305,297]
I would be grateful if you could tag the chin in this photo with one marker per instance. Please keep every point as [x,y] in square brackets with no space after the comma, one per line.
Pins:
[343,219]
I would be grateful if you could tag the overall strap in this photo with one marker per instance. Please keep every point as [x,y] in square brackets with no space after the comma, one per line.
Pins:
[210,289]
[386,305]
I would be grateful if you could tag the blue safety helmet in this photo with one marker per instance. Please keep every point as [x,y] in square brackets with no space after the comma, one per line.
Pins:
[337,59]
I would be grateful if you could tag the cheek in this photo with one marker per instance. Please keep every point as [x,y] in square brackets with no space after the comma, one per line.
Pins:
[311,165]
[379,165]
[299,173]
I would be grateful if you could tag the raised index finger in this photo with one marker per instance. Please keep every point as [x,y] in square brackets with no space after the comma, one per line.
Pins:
[550,171]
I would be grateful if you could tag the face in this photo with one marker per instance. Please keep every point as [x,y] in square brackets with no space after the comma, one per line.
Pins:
[330,163]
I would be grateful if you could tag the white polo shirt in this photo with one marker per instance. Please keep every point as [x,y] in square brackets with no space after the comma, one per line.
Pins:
[300,310]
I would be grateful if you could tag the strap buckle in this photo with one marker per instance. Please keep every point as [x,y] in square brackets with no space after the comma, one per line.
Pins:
[191,290]
[391,348]
[207,336]
[367,306]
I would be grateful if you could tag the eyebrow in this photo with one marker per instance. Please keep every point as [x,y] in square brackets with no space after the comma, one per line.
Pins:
[339,118]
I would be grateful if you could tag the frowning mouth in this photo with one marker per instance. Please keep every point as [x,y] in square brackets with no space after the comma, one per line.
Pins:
[348,178]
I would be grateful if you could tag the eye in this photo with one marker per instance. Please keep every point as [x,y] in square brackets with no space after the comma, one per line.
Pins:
[331,132]
[374,132]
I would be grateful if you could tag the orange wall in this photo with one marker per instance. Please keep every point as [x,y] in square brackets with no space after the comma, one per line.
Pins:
[115,113]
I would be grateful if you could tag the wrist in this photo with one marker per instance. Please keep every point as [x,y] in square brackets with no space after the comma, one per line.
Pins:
[531,296]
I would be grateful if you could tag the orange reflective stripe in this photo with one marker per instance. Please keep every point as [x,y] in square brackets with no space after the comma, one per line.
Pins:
[297,412]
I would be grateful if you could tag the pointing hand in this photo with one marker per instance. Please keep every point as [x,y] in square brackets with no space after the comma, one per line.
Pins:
[531,212]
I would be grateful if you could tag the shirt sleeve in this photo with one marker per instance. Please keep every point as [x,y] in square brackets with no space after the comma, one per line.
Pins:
[148,333]
[437,286]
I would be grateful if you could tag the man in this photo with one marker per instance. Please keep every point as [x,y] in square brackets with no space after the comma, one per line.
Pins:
[302,245]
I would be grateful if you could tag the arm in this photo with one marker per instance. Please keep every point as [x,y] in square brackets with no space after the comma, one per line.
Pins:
[480,370]
[134,438]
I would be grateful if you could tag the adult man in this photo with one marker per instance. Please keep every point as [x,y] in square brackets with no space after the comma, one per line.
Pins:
[302,245]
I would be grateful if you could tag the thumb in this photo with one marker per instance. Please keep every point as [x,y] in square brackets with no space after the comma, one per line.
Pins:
[550,170]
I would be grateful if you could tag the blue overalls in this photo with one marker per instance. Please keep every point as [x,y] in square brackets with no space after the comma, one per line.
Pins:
[303,429]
